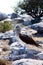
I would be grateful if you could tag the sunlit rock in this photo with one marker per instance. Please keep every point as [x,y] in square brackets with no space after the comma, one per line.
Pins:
[38,27]
[40,55]
[28,62]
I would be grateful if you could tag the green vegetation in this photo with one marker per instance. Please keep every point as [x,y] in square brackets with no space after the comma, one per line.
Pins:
[32,7]
[5,26]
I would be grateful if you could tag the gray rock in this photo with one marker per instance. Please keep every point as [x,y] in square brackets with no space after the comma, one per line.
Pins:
[27,62]
[16,57]
[21,11]
[38,27]
[27,19]
[34,52]
[19,20]
[41,18]
[2,16]
[8,34]
[40,55]
[17,46]
[18,52]
[26,23]
[13,15]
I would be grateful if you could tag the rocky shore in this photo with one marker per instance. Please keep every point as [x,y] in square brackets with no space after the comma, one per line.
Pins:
[31,55]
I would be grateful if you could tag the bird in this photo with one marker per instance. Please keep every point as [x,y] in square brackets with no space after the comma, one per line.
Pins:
[25,38]
[18,44]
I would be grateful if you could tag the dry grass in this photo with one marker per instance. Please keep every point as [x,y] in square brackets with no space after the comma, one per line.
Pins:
[4,42]
[4,62]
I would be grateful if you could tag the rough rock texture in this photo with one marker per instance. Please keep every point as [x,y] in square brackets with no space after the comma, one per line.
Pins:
[31,56]
[17,54]
[19,20]
[2,16]
[27,19]
[27,62]
[40,55]
[26,23]
[38,27]
[13,15]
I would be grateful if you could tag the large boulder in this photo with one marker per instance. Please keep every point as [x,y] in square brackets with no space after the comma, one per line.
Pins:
[17,51]
[38,27]
[27,19]
[28,62]
[2,16]
[17,46]
[40,56]
[14,15]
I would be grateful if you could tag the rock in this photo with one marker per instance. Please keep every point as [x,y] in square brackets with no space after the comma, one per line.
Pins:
[38,27]
[17,46]
[42,19]
[10,33]
[8,20]
[17,51]
[26,23]
[7,35]
[21,11]
[27,62]
[31,51]
[40,55]
[13,15]
[13,57]
[2,16]
[19,20]
[20,54]
[27,19]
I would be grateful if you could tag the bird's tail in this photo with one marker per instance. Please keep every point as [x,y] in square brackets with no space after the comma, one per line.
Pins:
[37,45]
